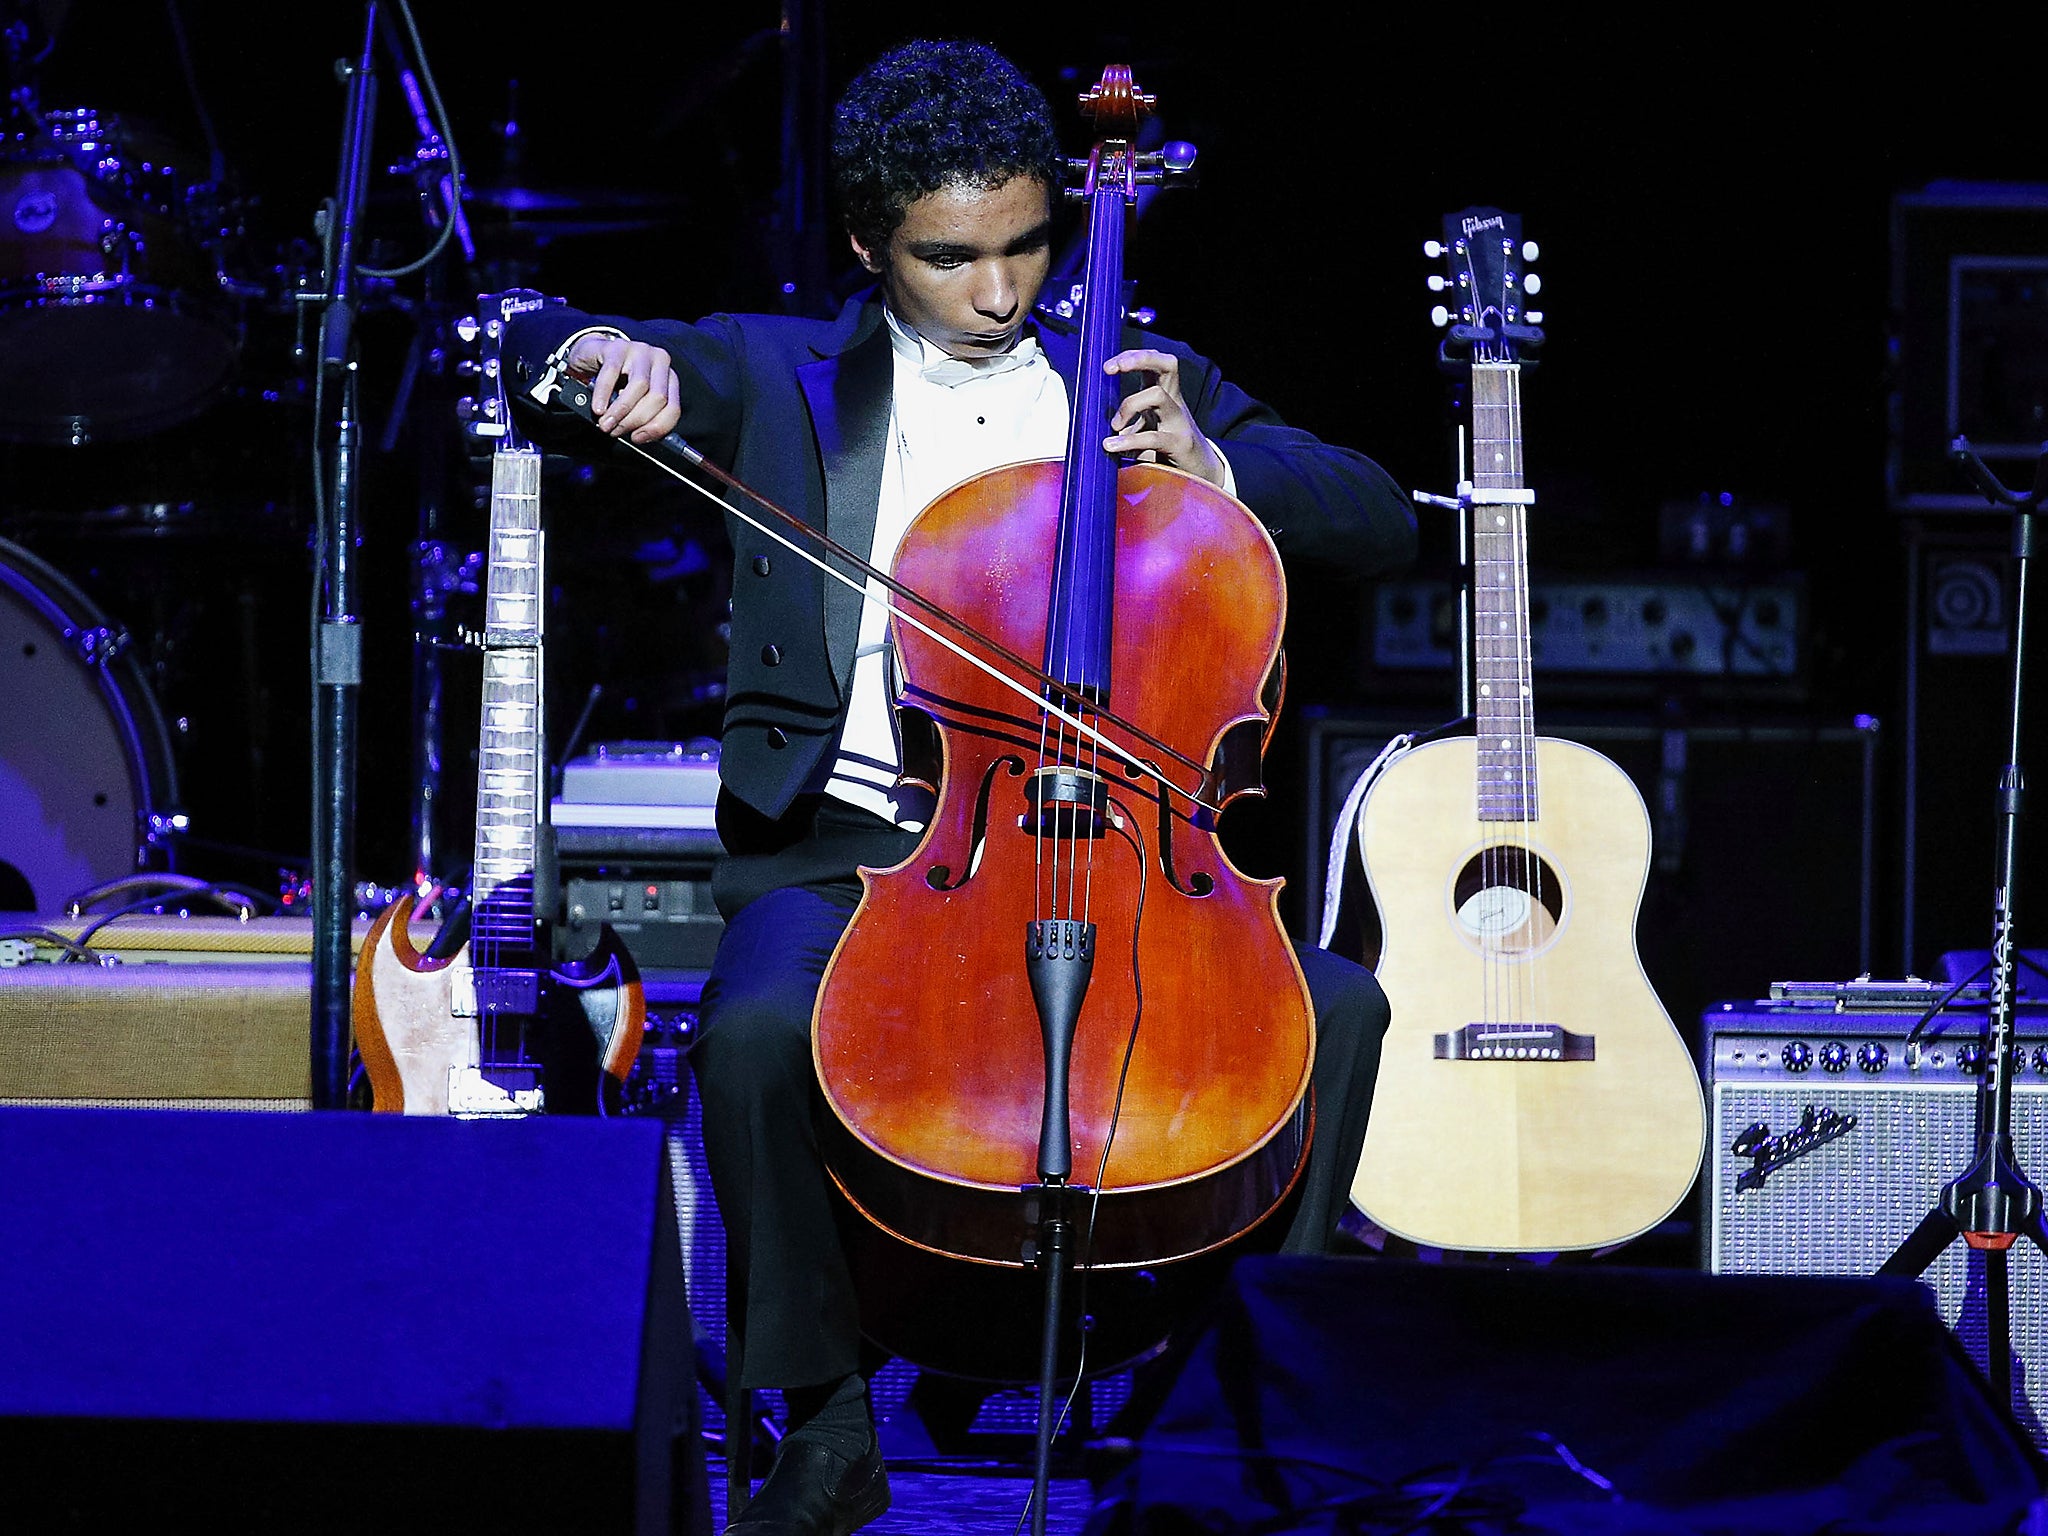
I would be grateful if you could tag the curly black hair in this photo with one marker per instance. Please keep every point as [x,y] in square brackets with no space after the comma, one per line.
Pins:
[929,114]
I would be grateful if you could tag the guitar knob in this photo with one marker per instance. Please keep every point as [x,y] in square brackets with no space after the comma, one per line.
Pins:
[1871,1056]
[1834,1057]
[1797,1056]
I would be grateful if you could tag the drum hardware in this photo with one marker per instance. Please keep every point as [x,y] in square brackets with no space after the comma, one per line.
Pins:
[111,271]
[88,786]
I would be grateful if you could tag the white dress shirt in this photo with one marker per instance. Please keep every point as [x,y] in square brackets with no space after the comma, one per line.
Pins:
[949,418]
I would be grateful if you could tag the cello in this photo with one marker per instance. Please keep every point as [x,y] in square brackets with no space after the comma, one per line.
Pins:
[1065,1013]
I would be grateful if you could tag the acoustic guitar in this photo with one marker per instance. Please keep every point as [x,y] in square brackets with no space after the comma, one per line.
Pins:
[1533,1095]
[500,1028]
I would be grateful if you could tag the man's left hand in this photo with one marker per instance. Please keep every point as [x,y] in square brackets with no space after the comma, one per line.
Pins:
[1155,423]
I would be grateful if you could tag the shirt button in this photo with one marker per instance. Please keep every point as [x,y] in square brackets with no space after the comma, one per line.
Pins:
[760,565]
[772,655]
[777,738]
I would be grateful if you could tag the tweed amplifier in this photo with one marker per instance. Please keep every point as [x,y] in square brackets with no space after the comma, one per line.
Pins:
[1828,1147]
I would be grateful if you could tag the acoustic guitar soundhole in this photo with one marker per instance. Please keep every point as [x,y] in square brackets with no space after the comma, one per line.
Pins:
[1508,900]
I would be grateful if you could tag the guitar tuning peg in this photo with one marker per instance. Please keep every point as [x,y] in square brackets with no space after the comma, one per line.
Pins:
[1432,248]
[1439,316]
[1438,282]
[1531,283]
[1533,316]
[1530,251]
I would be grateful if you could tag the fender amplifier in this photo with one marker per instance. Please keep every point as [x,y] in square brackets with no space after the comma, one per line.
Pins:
[1827,1148]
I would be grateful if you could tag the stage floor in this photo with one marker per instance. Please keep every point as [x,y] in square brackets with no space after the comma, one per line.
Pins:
[931,1499]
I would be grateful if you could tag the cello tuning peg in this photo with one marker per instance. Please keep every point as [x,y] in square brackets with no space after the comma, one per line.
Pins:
[1530,250]
[1432,248]
[1178,157]
[1439,316]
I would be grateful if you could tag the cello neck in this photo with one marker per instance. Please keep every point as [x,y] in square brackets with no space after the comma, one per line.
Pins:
[1078,633]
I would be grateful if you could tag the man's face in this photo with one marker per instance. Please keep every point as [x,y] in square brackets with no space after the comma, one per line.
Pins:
[964,267]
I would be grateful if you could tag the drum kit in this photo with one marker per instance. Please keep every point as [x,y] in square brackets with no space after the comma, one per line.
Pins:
[151,644]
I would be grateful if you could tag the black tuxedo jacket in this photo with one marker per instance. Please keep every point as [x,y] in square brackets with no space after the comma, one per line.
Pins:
[799,410]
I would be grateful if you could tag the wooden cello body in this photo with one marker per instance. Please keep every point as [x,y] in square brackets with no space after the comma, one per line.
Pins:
[1183,1060]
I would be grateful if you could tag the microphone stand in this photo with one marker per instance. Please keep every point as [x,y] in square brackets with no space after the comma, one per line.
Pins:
[337,646]
[1992,1202]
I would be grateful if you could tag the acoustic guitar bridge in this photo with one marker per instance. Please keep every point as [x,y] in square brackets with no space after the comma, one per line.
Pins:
[1514,1042]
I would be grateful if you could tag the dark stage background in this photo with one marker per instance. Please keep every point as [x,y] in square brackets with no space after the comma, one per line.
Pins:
[1712,202]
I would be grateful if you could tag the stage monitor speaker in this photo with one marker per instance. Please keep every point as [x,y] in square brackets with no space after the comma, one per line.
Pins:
[1375,1395]
[1967,269]
[339,1321]
[1881,1138]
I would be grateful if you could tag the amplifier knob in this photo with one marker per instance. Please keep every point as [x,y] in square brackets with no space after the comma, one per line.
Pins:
[1871,1056]
[1797,1056]
[1834,1057]
[2041,1058]
[1969,1058]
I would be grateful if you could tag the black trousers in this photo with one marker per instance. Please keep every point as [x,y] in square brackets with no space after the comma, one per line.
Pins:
[760,1095]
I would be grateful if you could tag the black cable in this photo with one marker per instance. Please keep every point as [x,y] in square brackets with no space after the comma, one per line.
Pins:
[155,899]
[50,936]
[217,163]
[454,194]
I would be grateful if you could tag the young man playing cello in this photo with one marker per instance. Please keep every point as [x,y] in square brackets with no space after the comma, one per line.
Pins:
[946,164]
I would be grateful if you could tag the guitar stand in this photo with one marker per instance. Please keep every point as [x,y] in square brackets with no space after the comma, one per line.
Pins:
[1992,1203]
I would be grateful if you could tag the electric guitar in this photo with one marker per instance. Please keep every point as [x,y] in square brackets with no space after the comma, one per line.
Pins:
[500,1028]
[1533,1095]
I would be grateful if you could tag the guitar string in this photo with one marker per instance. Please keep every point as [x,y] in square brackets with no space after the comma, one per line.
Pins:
[1525,659]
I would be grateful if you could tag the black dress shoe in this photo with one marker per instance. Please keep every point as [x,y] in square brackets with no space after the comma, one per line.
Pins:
[812,1491]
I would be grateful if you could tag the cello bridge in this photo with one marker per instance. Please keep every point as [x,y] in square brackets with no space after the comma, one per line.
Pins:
[1066,801]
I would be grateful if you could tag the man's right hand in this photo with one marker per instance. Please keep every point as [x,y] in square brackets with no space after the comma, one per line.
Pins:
[648,399]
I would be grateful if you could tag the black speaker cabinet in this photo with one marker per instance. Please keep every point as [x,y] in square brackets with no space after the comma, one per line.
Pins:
[1961,592]
[1763,854]
[1880,1139]
[341,1321]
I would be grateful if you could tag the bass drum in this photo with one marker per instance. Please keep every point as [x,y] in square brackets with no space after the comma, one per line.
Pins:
[115,313]
[85,761]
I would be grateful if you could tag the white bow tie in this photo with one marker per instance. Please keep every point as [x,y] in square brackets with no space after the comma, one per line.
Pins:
[952,372]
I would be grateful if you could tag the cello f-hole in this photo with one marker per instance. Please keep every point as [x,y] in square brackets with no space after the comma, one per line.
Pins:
[939,875]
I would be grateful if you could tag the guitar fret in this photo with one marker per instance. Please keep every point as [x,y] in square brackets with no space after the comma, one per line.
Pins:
[508,740]
[1506,759]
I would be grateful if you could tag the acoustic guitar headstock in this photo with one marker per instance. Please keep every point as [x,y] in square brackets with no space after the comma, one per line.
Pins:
[1484,288]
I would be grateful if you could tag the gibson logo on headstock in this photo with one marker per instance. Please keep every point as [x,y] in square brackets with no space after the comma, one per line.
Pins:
[1473,226]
